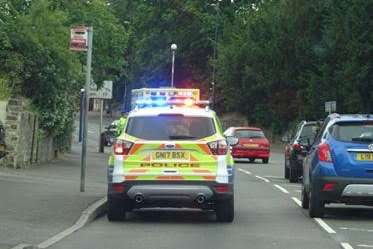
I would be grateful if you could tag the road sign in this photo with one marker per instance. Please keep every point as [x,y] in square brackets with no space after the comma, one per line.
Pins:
[105,92]
[79,39]
[330,106]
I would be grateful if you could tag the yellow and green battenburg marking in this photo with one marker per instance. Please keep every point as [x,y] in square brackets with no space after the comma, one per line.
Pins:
[142,164]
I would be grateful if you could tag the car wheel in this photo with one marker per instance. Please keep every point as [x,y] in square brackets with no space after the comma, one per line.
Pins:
[251,160]
[265,160]
[116,210]
[293,175]
[316,206]
[225,210]
[305,199]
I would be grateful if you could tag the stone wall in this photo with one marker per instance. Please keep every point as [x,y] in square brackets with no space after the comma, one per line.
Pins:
[3,111]
[24,145]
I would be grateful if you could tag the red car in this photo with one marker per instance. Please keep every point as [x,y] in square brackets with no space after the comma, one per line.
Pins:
[252,143]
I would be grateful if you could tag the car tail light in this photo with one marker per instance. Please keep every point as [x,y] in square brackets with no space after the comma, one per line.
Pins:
[122,147]
[219,147]
[297,147]
[324,153]
[222,188]
[118,187]
[329,186]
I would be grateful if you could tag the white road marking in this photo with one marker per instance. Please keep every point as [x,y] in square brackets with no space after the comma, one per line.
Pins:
[274,177]
[281,188]
[357,229]
[244,171]
[297,201]
[346,245]
[325,226]
[365,246]
[262,178]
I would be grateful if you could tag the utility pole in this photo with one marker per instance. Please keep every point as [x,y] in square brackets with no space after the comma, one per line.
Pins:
[85,118]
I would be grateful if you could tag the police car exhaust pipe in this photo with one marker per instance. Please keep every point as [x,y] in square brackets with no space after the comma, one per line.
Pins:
[139,198]
[200,199]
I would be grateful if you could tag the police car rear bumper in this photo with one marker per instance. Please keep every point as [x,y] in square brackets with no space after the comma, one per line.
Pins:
[171,194]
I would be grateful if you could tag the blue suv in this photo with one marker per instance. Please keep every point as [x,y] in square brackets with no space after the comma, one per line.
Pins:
[339,165]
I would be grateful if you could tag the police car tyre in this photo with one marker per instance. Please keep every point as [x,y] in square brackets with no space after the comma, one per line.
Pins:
[305,199]
[316,206]
[265,160]
[225,210]
[116,210]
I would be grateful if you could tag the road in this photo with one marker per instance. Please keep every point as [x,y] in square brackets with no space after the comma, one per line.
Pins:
[267,216]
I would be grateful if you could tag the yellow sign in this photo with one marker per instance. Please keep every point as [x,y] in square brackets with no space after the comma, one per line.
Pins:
[364,156]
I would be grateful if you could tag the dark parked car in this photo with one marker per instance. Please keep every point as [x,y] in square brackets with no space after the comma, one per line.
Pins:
[296,148]
[339,165]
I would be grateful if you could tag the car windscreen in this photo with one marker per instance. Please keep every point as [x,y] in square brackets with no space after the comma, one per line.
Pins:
[308,133]
[249,134]
[170,127]
[353,132]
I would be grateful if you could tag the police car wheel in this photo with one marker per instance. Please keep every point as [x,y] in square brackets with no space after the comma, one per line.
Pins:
[116,210]
[225,210]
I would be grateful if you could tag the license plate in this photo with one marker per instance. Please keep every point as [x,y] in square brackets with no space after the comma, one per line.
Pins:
[2,147]
[364,156]
[251,145]
[171,156]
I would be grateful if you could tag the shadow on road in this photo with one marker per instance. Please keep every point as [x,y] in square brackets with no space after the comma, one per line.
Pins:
[349,213]
[171,216]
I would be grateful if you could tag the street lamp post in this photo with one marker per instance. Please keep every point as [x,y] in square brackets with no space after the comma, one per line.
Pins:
[215,52]
[173,49]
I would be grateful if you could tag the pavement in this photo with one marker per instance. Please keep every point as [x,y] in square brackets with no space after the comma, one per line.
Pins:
[43,200]
[268,216]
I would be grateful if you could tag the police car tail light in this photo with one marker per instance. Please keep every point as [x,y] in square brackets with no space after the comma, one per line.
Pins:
[219,147]
[324,153]
[122,147]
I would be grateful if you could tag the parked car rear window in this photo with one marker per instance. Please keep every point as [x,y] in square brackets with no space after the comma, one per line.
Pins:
[170,127]
[249,134]
[308,133]
[355,132]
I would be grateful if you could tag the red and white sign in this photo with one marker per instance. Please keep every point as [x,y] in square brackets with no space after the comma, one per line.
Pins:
[79,39]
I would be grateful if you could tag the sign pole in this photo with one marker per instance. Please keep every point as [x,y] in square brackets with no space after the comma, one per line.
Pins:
[85,124]
[100,129]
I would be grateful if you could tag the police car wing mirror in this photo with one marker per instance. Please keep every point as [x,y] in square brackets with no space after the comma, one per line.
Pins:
[232,141]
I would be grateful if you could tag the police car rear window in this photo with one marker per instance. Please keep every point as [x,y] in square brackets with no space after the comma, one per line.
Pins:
[170,127]
[353,132]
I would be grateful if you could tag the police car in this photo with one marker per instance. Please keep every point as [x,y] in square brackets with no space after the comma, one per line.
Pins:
[172,154]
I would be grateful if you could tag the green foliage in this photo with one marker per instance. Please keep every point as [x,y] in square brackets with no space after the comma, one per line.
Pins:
[280,61]
[4,89]
[37,63]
